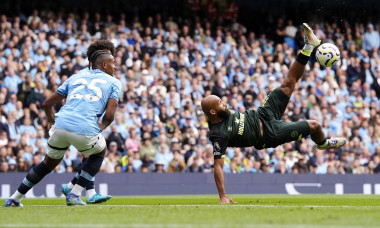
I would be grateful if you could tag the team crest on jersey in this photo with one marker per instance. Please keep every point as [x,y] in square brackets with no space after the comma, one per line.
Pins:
[294,134]
[229,128]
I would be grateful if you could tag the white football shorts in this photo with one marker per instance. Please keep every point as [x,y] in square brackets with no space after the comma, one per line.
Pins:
[60,140]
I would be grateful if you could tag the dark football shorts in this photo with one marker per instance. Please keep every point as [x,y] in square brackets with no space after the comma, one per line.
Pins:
[276,131]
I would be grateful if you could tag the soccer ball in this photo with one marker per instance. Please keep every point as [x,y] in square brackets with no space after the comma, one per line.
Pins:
[327,54]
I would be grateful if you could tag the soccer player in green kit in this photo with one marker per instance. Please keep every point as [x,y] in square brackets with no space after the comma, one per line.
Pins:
[263,128]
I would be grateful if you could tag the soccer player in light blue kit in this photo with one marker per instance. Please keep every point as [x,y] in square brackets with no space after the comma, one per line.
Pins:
[89,94]
[92,196]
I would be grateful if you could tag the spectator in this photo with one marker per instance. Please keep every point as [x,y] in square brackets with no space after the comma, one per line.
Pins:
[25,88]
[164,156]
[133,142]
[301,165]
[195,166]
[115,139]
[159,167]
[11,81]
[109,163]
[22,166]
[177,164]
[36,95]
[11,105]
[136,162]
[4,167]
[321,165]
[3,138]
[12,166]
[27,127]
[208,164]
[147,148]
[371,42]
[113,147]
[119,127]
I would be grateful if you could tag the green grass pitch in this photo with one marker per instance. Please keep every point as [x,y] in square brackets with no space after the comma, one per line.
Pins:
[267,211]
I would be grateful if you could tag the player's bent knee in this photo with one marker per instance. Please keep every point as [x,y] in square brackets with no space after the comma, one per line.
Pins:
[314,125]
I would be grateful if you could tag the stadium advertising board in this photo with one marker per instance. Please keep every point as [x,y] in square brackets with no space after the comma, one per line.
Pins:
[190,183]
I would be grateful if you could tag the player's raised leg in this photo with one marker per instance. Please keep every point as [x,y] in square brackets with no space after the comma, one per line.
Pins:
[295,73]
[298,67]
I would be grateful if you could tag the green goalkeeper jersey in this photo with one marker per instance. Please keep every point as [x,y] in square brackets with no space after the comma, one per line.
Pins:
[238,130]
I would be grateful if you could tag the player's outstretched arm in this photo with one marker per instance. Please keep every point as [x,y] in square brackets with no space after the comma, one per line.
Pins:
[219,180]
[109,115]
[52,100]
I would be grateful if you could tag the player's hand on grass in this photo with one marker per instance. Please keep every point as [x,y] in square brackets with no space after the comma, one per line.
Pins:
[224,199]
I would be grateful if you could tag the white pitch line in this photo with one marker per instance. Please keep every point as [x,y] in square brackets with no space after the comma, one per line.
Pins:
[227,205]
[179,225]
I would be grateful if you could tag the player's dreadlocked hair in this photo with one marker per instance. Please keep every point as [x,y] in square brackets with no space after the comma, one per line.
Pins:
[100,45]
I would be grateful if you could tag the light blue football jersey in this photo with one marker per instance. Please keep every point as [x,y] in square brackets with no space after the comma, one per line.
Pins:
[87,94]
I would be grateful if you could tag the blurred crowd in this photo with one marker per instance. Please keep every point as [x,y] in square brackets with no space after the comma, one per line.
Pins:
[167,66]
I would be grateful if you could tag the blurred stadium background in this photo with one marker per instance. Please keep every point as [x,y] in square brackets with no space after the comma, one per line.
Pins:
[170,54]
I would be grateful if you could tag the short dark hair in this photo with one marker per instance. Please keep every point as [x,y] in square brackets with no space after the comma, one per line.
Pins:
[98,57]
[101,45]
